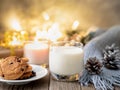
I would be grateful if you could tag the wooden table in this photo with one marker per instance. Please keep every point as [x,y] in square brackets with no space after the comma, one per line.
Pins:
[47,83]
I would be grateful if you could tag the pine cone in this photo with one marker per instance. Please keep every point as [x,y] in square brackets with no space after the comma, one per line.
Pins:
[111,58]
[93,66]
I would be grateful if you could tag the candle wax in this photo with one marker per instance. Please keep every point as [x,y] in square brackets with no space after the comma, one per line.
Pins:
[37,53]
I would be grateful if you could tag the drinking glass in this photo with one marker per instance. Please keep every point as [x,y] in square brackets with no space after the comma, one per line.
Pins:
[66,60]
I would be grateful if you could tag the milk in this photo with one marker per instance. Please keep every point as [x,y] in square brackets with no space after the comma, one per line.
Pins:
[66,60]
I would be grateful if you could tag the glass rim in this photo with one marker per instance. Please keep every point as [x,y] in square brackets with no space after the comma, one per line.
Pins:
[58,42]
[31,41]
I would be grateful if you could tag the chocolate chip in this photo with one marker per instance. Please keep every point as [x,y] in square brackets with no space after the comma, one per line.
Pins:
[27,66]
[22,69]
[11,63]
[18,59]
[33,73]
[2,75]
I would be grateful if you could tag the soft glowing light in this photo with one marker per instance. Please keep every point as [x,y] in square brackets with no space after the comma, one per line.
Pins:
[15,38]
[75,25]
[54,32]
[46,16]
[15,42]
[14,24]
[23,32]
[40,35]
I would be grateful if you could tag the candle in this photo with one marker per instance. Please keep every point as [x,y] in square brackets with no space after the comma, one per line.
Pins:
[36,52]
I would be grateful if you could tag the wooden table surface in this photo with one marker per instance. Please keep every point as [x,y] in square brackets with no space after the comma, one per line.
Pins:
[47,83]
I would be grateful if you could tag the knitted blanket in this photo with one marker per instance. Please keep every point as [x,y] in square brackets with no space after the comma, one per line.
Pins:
[108,78]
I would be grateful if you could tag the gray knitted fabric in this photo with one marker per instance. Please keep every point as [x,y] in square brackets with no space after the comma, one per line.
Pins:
[94,48]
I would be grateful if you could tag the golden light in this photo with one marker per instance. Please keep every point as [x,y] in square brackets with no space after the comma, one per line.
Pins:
[54,32]
[41,35]
[46,16]
[75,25]
[22,32]
[15,38]
[15,42]
[14,24]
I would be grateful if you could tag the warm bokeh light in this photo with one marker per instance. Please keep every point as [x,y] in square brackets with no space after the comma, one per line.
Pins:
[75,25]
[14,39]
[46,16]
[53,33]
[15,42]
[41,35]
[48,24]
[14,24]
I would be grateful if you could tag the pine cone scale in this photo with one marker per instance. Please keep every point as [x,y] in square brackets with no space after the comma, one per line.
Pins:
[93,66]
[111,57]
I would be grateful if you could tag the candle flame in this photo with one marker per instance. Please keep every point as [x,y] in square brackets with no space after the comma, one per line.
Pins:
[75,25]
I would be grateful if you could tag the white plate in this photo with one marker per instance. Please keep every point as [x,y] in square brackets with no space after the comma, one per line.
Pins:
[40,73]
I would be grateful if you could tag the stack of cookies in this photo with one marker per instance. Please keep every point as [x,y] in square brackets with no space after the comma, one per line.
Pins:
[13,68]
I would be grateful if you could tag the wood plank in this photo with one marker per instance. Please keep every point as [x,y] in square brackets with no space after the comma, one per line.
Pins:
[117,88]
[90,87]
[57,85]
[42,84]
[4,86]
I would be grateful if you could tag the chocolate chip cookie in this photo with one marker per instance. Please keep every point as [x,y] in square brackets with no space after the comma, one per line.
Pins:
[13,67]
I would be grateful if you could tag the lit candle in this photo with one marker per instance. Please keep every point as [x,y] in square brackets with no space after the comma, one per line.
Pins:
[37,52]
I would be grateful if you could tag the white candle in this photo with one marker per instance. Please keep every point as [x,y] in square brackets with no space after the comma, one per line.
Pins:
[66,60]
[37,52]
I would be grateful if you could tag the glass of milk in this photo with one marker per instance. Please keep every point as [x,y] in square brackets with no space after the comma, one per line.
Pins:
[66,60]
